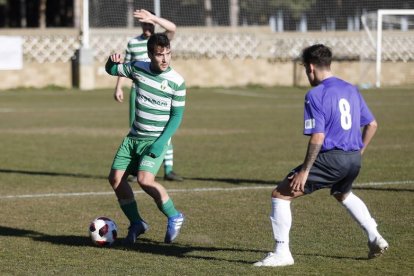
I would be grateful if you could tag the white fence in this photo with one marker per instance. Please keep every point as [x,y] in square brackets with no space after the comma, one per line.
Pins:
[397,46]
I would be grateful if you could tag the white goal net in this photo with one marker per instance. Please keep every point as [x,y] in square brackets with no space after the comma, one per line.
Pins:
[389,38]
[275,30]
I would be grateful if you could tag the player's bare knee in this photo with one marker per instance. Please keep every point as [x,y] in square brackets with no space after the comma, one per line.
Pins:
[340,197]
[275,193]
[282,190]
[113,180]
[144,181]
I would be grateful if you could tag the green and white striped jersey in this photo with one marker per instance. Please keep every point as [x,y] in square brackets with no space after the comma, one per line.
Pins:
[137,49]
[158,97]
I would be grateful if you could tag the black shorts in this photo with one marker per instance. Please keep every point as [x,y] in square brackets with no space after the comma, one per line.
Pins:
[335,169]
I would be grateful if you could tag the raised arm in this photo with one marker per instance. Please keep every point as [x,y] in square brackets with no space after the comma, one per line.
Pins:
[147,17]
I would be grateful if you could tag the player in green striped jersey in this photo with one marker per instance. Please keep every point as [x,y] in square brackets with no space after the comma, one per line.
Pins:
[161,94]
[137,51]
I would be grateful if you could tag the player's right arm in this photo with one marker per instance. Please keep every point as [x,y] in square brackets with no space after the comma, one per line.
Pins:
[114,66]
[119,93]
[368,123]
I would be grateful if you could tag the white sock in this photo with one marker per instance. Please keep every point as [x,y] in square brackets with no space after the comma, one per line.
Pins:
[359,211]
[281,218]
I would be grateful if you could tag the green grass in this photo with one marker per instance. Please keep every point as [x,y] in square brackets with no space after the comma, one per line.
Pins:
[58,144]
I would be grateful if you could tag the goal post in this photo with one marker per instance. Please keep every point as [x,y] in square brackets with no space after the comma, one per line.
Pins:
[380,14]
[85,24]
[83,76]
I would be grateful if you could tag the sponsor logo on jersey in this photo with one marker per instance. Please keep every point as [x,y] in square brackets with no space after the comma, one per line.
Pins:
[153,101]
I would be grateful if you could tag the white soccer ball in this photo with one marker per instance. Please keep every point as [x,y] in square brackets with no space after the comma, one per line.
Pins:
[103,231]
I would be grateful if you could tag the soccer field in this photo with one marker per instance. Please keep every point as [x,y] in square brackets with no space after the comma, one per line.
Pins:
[233,146]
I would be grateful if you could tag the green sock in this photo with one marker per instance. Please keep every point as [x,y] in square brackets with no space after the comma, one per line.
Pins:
[131,211]
[168,169]
[168,208]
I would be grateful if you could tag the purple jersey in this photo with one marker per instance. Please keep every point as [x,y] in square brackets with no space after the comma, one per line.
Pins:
[337,109]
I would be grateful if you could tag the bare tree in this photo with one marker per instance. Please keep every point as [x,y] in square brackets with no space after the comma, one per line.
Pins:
[23,19]
[234,13]
[4,19]
[208,13]
[42,14]
[130,11]
[77,13]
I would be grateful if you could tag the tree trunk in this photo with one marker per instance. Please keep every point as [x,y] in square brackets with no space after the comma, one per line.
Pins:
[208,15]
[23,20]
[130,12]
[42,14]
[77,5]
[234,13]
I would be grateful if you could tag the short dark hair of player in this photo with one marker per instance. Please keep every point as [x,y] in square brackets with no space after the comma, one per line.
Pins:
[157,40]
[318,54]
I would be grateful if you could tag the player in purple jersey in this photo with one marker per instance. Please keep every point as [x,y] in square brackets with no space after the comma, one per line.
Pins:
[334,114]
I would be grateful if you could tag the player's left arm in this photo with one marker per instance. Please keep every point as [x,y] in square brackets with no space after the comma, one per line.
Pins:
[176,116]
[368,123]
[297,181]
[147,17]
[367,133]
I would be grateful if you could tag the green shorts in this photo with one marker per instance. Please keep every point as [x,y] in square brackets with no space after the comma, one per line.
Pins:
[132,156]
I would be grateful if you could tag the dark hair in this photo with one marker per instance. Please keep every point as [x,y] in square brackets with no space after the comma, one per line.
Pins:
[318,54]
[158,39]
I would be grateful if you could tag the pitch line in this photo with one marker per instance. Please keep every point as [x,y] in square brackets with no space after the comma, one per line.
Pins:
[191,190]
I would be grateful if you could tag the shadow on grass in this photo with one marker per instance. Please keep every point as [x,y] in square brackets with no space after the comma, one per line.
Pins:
[144,245]
[80,175]
[37,236]
[187,251]
[234,180]
[75,175]
[275,183]
[384,189]
[334,257]
[149,246]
